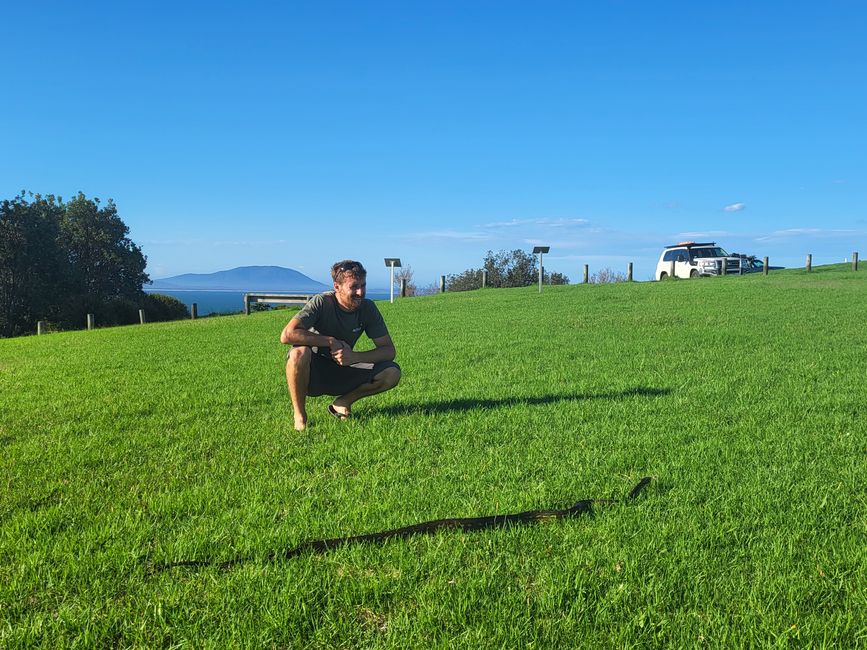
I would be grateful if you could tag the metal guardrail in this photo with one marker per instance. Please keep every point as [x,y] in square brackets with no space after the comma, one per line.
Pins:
[279,298]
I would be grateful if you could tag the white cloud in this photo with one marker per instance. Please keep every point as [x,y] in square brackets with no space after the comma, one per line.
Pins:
[446,235]
[506,224]
[815,233]
[559,244]
[735,207]
[548,222]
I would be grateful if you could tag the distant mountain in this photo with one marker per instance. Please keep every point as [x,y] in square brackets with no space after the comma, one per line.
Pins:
[244,278]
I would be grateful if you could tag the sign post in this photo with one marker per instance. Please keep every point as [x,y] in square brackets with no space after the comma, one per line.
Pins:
[540,251]
[392,262]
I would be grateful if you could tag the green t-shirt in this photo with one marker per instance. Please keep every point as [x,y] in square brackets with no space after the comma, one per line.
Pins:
[323,315]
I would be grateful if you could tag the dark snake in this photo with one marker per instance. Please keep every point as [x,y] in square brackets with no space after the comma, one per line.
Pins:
[582,507]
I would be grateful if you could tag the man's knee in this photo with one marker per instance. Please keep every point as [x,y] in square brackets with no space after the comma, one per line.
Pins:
[389,376]
[299,356]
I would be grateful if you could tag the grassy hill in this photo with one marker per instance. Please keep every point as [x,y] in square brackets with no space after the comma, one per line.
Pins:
[744,398]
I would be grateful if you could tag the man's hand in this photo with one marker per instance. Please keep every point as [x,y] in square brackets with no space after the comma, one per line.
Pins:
[341,352]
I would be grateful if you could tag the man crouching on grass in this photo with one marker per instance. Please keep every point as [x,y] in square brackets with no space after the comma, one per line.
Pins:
[322,334]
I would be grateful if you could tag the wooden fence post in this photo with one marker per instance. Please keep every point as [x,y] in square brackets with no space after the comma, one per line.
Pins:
[141,316]
[671,269]
[855,261]
[246,304]
[629,272]
[91,322]
[194,311]
[442,284]
[765,266]
[40,327]
[809,264]
[403,287]
[586,274]
[484,278]
[723,267]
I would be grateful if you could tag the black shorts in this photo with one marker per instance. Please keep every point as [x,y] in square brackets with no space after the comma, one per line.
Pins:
[328,378]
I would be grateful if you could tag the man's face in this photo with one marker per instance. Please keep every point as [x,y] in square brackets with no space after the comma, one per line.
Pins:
[350,292]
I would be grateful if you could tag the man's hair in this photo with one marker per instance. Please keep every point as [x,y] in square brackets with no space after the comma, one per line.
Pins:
[347,267]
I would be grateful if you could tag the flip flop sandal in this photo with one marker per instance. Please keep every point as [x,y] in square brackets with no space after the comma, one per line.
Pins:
[337,414]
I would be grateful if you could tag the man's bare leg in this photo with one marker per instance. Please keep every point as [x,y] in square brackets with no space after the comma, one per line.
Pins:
[383,381]
[298,378]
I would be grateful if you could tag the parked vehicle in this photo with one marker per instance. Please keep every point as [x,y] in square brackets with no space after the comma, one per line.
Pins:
[692,260]
[752,264]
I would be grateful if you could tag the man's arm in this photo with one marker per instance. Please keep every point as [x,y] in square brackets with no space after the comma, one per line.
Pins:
[296,334]
[384,351]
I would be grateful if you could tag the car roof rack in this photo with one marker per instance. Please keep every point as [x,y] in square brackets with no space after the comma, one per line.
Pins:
[691,244]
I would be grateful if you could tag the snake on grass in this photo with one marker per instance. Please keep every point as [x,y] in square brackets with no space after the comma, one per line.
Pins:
[582,507]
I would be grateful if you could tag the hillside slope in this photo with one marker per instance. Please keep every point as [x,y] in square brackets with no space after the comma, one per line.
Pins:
[128,448]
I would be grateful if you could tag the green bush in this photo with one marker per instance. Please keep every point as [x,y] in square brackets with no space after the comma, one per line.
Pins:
[159,307]
[515,268]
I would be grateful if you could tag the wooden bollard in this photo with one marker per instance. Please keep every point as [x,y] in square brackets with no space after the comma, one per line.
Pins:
[671,270]
[442,284]
[855,261]
[40,327]
[141,317]
[629,272]
[765,266]
[403,287]
[723,267]
[246,305]
[194,311]
[91,321]
[809,264]
[484,278]
[586,274]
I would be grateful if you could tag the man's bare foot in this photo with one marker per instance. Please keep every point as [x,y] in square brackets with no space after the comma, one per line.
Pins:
[300,423]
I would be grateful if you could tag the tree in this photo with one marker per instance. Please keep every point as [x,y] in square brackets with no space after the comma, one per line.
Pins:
[60,261]
[31,264]
[428,290]
[160,307]
[607,276]
[465,281]
[516,268]
[404,273]
[106,266]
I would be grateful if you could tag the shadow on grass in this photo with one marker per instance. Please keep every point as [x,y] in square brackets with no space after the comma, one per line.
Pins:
[468,404]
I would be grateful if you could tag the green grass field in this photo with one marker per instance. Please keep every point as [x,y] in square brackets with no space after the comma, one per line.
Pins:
[744,398]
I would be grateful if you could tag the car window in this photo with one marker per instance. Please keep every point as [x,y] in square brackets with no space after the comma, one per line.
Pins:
[672,255]
[708,252]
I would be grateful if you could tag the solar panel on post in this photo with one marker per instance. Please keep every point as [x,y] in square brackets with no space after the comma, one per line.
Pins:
[392,262]
[540,251]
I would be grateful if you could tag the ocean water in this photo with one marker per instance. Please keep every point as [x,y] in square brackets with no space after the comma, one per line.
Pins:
[228,302]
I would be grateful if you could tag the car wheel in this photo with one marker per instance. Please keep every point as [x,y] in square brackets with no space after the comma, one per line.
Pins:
[663,276]
[693,274]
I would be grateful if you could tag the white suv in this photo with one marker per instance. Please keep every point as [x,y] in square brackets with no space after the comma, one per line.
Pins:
[691,260]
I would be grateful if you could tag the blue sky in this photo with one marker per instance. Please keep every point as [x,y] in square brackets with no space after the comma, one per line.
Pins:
[300,133]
